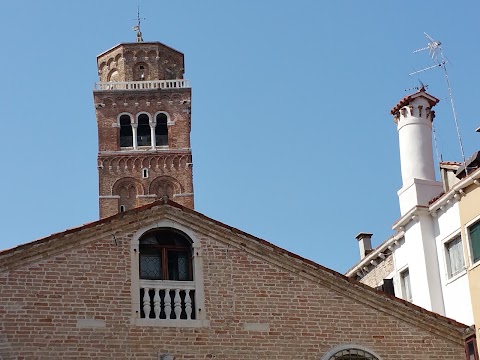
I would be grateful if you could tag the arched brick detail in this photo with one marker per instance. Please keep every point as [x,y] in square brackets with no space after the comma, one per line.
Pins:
[127,189]
[346,351]
[165,185]
[113,75]
[128,182]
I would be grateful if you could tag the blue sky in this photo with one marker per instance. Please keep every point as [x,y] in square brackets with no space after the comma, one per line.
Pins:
[292,137]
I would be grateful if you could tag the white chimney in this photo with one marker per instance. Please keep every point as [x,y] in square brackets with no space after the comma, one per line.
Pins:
[413,116]
[364,243]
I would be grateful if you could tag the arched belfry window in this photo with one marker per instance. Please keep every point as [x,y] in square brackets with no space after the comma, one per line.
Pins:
[165,254]
[143,131]
[161,130]
[126,134]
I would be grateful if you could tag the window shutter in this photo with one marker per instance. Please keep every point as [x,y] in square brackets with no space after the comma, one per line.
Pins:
[475,241]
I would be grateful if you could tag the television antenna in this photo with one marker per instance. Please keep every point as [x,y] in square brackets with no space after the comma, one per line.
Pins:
[436,54]
[137,27]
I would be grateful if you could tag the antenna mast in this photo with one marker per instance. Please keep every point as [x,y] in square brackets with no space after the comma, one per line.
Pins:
[137,27]
[436,54]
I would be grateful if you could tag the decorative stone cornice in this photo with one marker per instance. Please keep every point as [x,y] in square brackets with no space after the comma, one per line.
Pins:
[456,192]
[377,255]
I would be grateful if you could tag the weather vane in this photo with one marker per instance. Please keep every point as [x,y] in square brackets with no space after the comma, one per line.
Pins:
[137,27]
[436,54]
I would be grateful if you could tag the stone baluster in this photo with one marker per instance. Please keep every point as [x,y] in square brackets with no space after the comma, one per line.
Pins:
[156,303]
[188,304]
[168,305]
[177,301]
[146,302]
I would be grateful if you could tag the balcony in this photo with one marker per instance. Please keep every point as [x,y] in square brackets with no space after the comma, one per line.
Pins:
[167,300]
[142,85]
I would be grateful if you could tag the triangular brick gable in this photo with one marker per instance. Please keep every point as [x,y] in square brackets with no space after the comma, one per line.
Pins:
[107,228]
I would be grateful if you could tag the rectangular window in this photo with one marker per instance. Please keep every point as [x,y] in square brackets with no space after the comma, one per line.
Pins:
[471,348]
[454,256]
[405,283]
[387,287]
[474,237]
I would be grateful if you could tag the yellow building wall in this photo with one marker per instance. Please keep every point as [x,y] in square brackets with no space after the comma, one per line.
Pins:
[469,207]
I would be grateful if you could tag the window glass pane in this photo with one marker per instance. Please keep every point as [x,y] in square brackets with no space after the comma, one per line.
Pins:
[126,137]
[353,354]
[150,240]
[471,349]
[405,282]
[143,131]
[165,254]
[178,265]
[474,232]
[151,266]
[455,258]
[161,130]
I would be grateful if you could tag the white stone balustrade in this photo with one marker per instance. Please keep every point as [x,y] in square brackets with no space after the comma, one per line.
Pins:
[142,85]
[160,295]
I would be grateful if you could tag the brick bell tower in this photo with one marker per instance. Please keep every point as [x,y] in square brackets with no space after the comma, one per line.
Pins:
[142,107]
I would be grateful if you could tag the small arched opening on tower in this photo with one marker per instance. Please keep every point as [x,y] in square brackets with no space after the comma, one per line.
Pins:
[143,130]
[165,186]
[161,130]
[165,189]
[128,197]
[113,76]
[140,72]
[126,134]
[127,190]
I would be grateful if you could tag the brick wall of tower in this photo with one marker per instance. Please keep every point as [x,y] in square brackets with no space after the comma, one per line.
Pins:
[172,163]
[122,183]
[173,166]
[160,61]
[110,104]
[46,304]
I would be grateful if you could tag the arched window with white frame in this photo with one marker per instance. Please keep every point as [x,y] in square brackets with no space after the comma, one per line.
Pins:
[161,130]
[143,130]
[167,277]
[350,352]
[126,133]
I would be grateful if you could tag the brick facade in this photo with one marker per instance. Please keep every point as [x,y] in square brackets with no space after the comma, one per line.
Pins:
[69,296]
[122,184]
[79,295]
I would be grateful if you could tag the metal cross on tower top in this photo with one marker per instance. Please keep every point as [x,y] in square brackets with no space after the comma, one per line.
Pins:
[137,27]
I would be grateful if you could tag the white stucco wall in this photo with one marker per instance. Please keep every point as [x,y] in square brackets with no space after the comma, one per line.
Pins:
[415,142]
[423,252]
[419,254]
[456,291]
